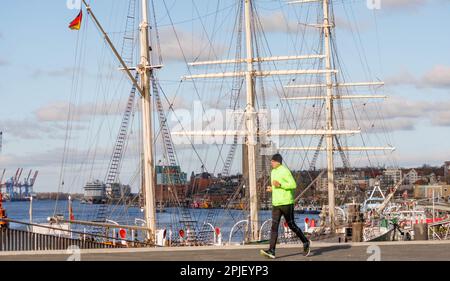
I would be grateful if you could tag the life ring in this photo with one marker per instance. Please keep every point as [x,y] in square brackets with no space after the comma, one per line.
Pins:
[402,224]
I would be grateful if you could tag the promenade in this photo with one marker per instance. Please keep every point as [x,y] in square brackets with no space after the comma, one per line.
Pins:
[384,251]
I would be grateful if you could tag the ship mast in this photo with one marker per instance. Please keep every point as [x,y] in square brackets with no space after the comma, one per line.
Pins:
[250,121]
[329,98]
[329,115]
[145,70]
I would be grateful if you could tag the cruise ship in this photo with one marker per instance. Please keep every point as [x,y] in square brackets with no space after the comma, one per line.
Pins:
[95,192]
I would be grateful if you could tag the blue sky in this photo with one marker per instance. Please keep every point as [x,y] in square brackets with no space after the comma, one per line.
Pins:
[406,44]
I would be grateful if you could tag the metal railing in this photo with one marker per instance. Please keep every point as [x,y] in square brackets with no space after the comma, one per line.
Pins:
[439,230]
[20,240]
[87,237]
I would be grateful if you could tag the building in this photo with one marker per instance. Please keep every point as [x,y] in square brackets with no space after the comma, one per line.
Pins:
[322,183]
[447,171]
[390,178]
[119,191]
[167,175]
[171,185]
[262,161]
[432,178]
[411,177]
[200,182]
[426,191]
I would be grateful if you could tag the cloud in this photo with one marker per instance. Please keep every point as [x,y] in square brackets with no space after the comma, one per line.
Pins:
[436,77]
[405,114]
[401,4]
[277,22]
[349,25]
[50,158]
[3,62]
[25,129]
[403,77]
[395,114]
[58,111]
[61,72]
[441,119]
[174,45]
[29,128]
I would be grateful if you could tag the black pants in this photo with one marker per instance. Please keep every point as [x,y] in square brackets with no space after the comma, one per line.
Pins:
[288,212]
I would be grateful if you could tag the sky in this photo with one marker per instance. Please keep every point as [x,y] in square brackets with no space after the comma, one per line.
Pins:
[44,67]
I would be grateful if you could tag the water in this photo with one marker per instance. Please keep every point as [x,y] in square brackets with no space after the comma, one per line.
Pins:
[225,219]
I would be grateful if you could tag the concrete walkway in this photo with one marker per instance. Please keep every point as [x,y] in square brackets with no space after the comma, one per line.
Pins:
[385,251]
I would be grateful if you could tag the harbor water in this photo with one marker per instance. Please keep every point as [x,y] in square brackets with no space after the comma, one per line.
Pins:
[168,219]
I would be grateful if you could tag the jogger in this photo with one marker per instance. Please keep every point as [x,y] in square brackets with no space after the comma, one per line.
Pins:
[283,191]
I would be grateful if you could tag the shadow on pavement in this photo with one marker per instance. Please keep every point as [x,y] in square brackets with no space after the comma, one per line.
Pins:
[319,251]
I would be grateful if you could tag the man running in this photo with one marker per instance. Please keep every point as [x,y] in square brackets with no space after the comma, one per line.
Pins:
[283,192]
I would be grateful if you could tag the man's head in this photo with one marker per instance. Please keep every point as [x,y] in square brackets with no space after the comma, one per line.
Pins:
[277,160]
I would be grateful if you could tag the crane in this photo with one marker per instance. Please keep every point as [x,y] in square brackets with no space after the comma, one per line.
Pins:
[388,198]
[14,182]
[2,184]
[29,183]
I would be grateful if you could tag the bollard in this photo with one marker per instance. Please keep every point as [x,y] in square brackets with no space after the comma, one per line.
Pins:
[421,231]
[357,232]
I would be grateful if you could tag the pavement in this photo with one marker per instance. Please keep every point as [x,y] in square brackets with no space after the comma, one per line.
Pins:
[384,251]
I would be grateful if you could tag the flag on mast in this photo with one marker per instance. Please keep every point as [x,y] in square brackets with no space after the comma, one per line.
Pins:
[76,23]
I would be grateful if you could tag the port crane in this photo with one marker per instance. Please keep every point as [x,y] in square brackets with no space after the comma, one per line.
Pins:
[2,184]
[17,190]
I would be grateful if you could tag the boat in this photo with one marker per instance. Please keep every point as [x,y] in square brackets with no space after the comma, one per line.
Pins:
[309,210]
[94,193]
[378,234]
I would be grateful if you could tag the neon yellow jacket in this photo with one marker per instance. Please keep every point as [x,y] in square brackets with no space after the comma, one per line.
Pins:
[283,195]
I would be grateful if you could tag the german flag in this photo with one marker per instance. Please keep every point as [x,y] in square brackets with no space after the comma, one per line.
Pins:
[76,23]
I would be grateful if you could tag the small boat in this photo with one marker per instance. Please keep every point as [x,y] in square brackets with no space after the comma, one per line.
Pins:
[310,210]
[380,235]
[381,230]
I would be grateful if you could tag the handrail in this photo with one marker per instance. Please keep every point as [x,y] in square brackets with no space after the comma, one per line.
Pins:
[69,231]
[231,232]
[260,230]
